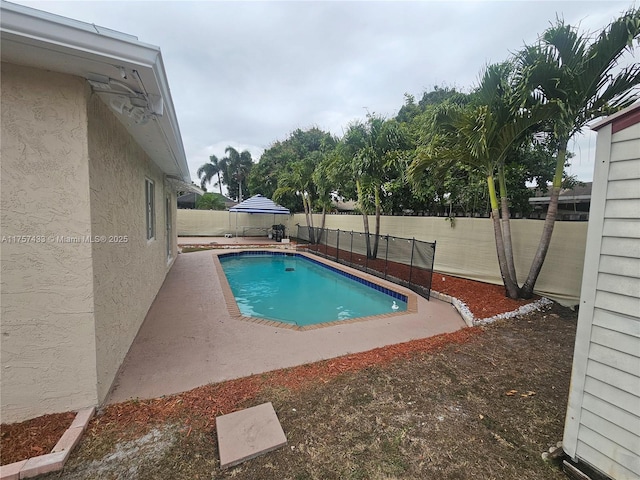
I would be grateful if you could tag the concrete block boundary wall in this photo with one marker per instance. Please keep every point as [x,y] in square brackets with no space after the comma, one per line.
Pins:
[464,248]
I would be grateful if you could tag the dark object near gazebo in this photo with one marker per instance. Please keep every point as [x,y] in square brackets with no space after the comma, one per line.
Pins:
[278,232]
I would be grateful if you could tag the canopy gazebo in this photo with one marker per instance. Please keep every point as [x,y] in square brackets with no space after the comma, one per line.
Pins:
[258,204]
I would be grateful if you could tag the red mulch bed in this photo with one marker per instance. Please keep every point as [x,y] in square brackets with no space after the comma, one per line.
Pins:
[199,407]
[483,299]
[34,437]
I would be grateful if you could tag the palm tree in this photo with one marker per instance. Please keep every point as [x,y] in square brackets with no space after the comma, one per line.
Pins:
[321,177]
[580,76]
[209,170]
[238,165]
[297,179]
[210,201]
[480,136]
[372,149]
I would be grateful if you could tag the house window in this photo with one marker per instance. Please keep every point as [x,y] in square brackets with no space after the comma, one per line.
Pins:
[150,209]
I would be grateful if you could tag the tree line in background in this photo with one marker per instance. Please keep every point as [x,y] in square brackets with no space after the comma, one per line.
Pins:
[451,152]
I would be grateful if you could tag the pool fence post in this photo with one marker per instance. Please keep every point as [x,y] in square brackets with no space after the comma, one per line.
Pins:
[326,242]
[433,259]
[386,258]
[338,246]
[366,255]
[413,243]
[351,250]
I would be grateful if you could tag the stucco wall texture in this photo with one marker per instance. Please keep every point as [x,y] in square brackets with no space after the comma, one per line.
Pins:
[48,353]
[128,270]
[70,308]
[466,250]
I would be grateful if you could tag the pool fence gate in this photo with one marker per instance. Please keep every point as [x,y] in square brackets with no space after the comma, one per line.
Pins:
[404,261]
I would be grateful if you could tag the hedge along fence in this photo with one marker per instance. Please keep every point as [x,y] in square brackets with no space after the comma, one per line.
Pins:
[466,247]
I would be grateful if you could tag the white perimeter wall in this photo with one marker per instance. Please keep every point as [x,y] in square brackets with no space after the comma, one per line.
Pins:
[467,249]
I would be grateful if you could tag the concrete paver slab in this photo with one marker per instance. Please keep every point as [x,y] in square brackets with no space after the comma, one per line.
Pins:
[248,433]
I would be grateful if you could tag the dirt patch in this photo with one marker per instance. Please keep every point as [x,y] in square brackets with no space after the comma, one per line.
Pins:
[484,404]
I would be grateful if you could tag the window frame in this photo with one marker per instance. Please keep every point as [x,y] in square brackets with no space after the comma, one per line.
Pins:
[168,226]
[150,208]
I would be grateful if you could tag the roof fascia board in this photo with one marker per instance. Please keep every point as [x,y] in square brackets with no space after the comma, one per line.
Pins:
[170,114]
[607,120]
[55,30]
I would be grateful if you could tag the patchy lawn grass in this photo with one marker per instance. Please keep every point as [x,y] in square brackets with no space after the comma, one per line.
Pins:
[486,408]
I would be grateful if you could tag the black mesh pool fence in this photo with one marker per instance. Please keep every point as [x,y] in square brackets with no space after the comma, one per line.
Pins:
[405,261]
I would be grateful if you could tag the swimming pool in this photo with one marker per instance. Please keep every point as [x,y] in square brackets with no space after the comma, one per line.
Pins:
[297,290]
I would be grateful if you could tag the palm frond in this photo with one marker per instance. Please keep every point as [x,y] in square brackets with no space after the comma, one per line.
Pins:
[603,89]
[619,92]
[205,173]
[495,85]
[567,45]
[570,69]
[281,192]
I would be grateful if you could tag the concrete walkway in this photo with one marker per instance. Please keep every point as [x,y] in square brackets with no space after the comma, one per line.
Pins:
[189,339]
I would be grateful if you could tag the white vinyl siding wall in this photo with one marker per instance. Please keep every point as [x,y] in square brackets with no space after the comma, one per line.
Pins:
[602,426]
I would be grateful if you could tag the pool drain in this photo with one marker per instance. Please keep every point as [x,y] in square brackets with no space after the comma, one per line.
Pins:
[289,269]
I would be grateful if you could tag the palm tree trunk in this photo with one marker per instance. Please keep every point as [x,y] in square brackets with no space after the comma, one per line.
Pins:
[374,253]
[549,223]
[310,217]
[510,287]
[324,216]
[312,237]
[506,226]
[219,183]
[365,217]
[365,221]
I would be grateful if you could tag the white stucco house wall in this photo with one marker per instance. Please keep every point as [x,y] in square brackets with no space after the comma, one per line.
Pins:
[602,427]
[91,158]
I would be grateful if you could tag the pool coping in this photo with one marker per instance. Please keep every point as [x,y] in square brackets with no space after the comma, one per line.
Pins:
[234,311]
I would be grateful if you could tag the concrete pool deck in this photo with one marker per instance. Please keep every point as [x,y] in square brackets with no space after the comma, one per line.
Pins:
[189,338]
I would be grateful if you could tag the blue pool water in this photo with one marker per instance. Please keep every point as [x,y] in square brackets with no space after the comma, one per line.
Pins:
[294,289]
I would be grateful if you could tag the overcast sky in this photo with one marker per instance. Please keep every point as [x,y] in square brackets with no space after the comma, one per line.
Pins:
[247,74]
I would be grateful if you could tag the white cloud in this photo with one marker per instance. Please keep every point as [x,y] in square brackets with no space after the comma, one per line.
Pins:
[248,73]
